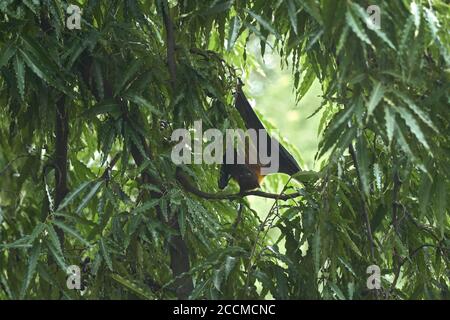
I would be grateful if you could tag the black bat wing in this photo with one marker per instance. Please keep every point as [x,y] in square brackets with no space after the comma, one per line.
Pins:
[287,163]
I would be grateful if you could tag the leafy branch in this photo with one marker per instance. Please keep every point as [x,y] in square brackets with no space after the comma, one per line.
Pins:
[185,182]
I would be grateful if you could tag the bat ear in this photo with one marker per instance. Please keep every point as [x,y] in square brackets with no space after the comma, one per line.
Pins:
[224,177]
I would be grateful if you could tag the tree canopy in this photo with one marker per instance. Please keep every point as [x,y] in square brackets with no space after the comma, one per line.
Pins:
[85,144]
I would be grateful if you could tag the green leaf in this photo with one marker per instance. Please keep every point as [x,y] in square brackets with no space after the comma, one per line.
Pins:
[230,262]
[54,239]
[105,254]
[146,206]
[307,80]
[402,249]
[20,243]
[264,278]
[233,33]
[418,111]
[58,256]
[133,287]
[76,219]
[384,37]
[72,195]
[347,266]
[70,231]
[31,270]
[307,176]
[404,42]
[35,67]
[292,12]
[378,175]
[98,77]
[5,54]
[89,196]
[140,101]
[316,251]
[219,7]
[36,232]
[6,287]
[46,274]
[96,263]
[425,189]
[351,290]
[312,7]
[363,162]
[281,282]
[356,27]
[149,187]
[41,63]
[105,106]
[336,127]
[20,75]
[132,137]
[389,117]
[441,208]
[78,48]
[342,117]
[365,17]
[130,73]
[264,23]
[218,277]
[33,6]
[342,39]
[348,240]
[181,220]
[433,22]
[415,11]
[413,125]
[403,143]
[337,291]
[42,72]
[376,96]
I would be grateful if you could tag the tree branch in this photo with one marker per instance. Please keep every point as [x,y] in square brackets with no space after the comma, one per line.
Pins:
[170,39]
[110,166]
[397,184]
[405,259]
[185,182]
[178,250]
[61,150]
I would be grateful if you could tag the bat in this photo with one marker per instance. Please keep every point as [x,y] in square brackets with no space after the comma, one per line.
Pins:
[249,175]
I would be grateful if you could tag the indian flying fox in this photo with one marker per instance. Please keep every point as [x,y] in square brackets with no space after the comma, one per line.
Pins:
[250,174]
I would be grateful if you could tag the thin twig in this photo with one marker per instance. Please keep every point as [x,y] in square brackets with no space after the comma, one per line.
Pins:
[110,166]
[403,261]
[250,264]
[427,229]
[13,160]
[188,186]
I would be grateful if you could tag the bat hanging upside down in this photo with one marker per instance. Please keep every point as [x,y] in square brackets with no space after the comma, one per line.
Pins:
[249,174]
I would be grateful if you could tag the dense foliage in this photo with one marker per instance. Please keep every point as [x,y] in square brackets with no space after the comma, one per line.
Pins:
[87,179]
